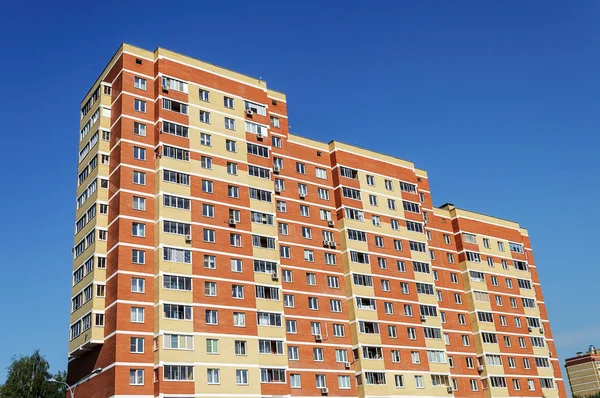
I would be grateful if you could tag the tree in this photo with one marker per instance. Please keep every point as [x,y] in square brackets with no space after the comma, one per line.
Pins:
[28,378]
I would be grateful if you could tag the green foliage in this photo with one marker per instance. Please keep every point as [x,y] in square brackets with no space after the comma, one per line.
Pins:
[28,378]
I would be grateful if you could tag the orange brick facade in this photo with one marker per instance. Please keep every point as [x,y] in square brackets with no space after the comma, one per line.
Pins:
[404,269]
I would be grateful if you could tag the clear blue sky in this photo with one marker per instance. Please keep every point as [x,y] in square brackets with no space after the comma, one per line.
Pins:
[497,100]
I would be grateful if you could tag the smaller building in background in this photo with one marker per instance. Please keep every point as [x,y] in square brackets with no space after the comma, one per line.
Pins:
[584,372]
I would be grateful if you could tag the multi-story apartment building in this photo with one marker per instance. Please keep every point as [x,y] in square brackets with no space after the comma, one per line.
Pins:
[218,255]
[583,371]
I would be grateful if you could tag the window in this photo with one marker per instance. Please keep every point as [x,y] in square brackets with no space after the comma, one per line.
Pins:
[389,308]
[344,382]
[176,202]
[137,256]
[515,247]
[351,193]
[465,340]
[391,204]
[276,142]
[497,381]
[178,178]
[137,315]
[404,288]
[300,168]
[271,375]
[139,105]
[208,210]
[419,382]
[176,153]
[212,346]
[333,282]
[140,129]
[260,172]
[212,317]
[511,363]
[290,326]
[213,376]
[414,226]
[417,246]
[138,229]
[228,102]
[338,330]
[323,193]
[275,121]
[140,83]
[203,95]
[139,178]
[175,106]
[373,200]
[136,377]
[205,139]
[241,376]
[177,311]
[209,235]
[385,285]
[295,381]
[414,355]
[288,301]
[173,282]
[469,362]
[410,206]
[330,259]
[421,267]
[268,319]
[493,360]
[237,292]
[318,354]
[474,257]
[424,288]
[205,116]
[137,285]
[239,319]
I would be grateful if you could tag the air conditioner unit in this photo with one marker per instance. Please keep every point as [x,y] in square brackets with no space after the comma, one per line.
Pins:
[277,190]
[232,221]
[249,112]
[318,337]
[276,169]
[347,365]
[188,238]
[330,223]
[325,243]
[259,136]
[332,244]
[530,329]
[165,89]
[480,368]
[324,390]
[550,354]
[449,389]
[542,330]
[423,318]
[303,195]
[274,276]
